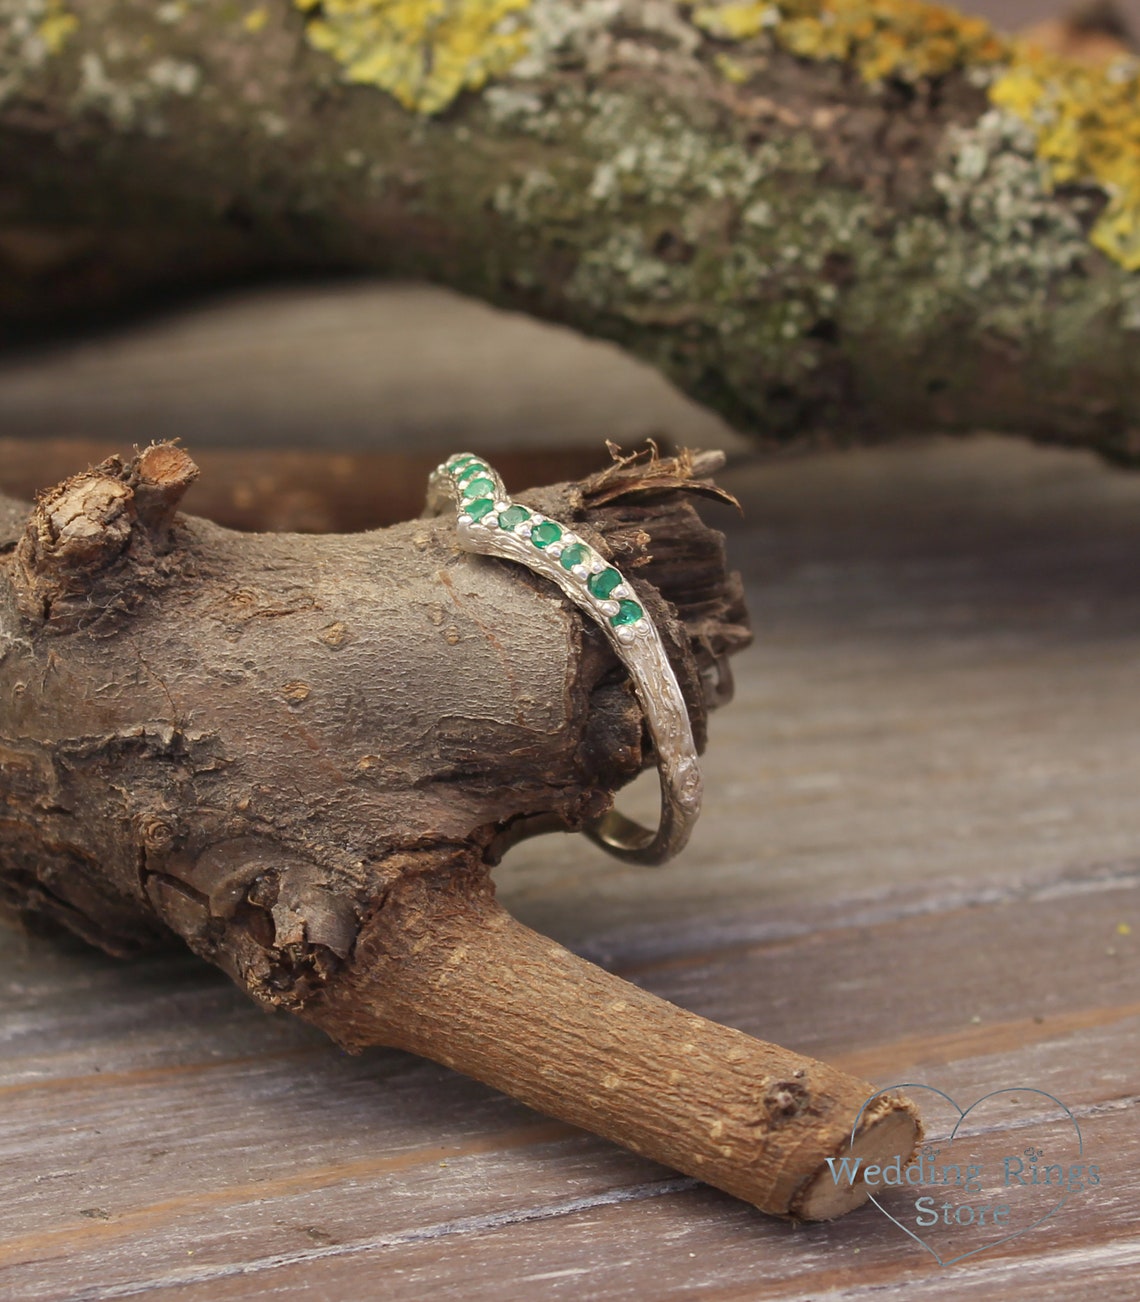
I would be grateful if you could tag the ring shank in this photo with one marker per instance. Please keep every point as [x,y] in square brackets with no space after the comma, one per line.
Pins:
[629,840]
[639,648]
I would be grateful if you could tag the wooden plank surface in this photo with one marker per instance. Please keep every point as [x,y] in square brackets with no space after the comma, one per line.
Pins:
[920,859]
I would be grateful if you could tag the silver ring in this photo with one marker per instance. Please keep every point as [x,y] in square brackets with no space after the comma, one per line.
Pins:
[490,523]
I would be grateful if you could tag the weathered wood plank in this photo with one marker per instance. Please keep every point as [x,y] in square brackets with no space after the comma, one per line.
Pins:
[673,1245]
[430,1149]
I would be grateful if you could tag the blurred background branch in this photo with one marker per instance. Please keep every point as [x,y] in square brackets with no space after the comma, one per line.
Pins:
[817,242]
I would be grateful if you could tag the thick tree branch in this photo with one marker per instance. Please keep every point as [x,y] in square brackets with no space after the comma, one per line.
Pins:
[810,228]
[303,754]
[424,695]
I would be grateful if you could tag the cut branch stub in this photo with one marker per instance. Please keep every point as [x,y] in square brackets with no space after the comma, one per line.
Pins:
[82,533]
[301,755]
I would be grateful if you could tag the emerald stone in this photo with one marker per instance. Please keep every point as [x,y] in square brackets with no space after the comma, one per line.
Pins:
[542,535]
[478,488]
[601,585]
[477,510]
[457,463]
[572,556]
[513,515]
[629,612]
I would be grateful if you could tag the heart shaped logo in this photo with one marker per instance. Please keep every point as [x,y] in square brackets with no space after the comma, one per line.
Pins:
[1008,1163]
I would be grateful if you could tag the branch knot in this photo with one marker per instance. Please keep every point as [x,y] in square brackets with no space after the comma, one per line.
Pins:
[93,540]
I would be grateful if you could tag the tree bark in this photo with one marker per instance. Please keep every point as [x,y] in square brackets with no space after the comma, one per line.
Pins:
[809,250]
[332,703]
[302,755]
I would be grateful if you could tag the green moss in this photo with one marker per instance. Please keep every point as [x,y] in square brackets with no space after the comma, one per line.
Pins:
[424,52]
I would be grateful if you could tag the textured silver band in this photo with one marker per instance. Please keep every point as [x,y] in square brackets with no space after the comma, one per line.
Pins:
[490,523]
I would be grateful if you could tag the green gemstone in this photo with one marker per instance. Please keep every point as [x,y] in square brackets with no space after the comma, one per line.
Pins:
[629,612]
[542,535]
[478,488]
[457,463]
[575,555]
[513,515]
[477,510]
[601,585]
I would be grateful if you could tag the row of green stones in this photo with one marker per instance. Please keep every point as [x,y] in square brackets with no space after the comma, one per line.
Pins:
[473,480]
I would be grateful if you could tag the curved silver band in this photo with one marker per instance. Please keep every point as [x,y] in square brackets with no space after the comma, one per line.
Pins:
[490,523]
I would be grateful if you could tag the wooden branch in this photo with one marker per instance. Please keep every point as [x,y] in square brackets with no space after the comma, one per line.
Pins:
[444,972]
[303,754]
[819,222]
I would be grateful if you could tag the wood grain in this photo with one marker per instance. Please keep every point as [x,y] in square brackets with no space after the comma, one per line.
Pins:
[920,859]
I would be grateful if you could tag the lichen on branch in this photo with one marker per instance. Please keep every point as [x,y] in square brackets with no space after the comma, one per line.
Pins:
[1086,118]
[903,39]
[424,52]
[427,52]
[1087,125]
[814,216]
[31,31]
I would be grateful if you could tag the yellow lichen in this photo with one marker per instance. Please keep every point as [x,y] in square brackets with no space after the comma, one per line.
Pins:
[1087,122]
[256,19]
[56,27]
[730,70]
[887,38]
[1086,118]
[424,52]
[736,22]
